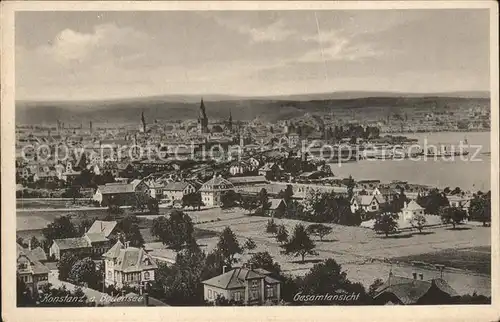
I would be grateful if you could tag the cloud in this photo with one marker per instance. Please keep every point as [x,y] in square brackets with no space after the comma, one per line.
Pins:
[334,45]
[274,32]
[106,41]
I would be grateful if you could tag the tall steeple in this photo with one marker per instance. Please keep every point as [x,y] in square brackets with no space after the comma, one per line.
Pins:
[143,120]
[230,121]
[202,118]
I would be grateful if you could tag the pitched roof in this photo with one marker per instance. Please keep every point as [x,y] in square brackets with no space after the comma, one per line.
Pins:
[247,179]
[177,186]
[72,243]
[364,200]
[36,267]
[38,254]
[217,183]
[413,205]
[275,203]
[114,251]
[96,237]
[102,227]
[116,187]
[409,290]
[236,278]
[132,259]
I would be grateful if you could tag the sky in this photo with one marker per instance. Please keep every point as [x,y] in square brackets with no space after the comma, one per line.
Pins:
[104,55]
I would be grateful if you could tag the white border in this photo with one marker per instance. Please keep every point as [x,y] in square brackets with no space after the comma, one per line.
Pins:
[11,313]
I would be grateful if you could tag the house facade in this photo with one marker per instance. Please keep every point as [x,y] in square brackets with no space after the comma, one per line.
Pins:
[30,270]
[412,209]
[368,203]
[120,193]
[177,190]
[244,286]
[128,266]
[93,243]
[212,190]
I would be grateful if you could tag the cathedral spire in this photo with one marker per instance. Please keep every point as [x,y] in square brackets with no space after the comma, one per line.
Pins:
[202,118]
[143,120]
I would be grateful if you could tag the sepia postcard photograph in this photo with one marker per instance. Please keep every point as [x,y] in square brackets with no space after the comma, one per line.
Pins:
[248,154]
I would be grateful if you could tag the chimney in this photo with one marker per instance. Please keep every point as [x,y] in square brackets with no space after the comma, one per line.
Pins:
[421,276]
[224,268]
[127,244]
[414,275]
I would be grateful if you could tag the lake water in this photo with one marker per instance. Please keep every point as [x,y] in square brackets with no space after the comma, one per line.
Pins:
[466,174]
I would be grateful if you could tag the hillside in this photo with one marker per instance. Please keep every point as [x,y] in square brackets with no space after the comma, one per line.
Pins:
[128,111]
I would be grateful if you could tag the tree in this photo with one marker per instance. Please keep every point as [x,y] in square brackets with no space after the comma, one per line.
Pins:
[65,265]
[61,227]
[114,210]
[286,194]
[24,296]
[176,231]
[249,244]
[129,227]
[319,230]
[182,282]
[418,221]
[264,200]
[192,200]
[35,243]
[72,192]
[350,184]
[229,199]
[265,261]
[480,208]
[386,223]
[433,201]
[300,244]
[329,278]
[229,246]
[21,242]
[153,206]
[84,225]
[271,227]
[249,203]
[452,215]
[84,273]
[282,234]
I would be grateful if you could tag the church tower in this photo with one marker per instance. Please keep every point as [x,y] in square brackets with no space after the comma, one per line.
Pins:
[202,119]
[230,122]
[143,121]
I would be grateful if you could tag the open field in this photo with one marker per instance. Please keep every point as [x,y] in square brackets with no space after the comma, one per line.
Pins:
[477,259]
[55,203]
[363,254]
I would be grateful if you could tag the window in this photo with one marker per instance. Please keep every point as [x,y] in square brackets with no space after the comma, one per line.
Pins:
[269,291]
[210,294]
[255,284]
[237,296]
[374,207]
[146,275]
[109,274]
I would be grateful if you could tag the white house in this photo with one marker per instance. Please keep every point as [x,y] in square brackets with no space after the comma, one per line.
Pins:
[211,191]
[368,203]
[177,190]
[411,209]
[128,266]
[239,168]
